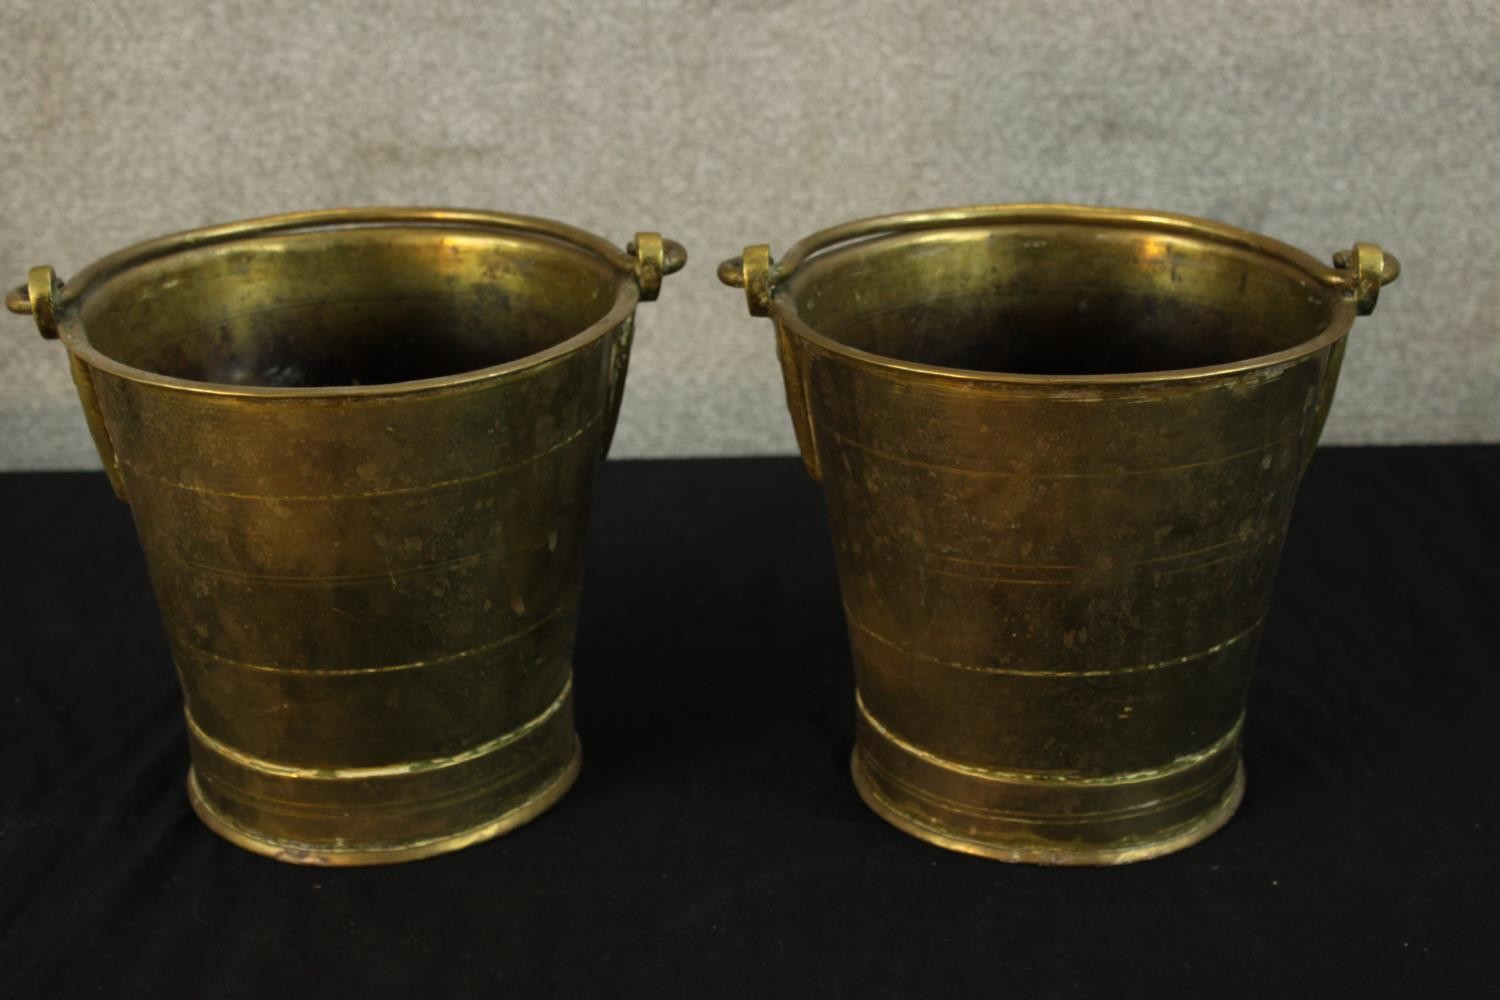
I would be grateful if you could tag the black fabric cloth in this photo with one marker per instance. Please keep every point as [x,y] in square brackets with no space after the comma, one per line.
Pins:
[714,845]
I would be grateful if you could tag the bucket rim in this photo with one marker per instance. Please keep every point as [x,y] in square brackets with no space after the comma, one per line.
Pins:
[72,295]
[862,233]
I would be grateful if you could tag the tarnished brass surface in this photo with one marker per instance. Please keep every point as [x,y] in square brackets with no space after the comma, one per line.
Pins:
[359,446]
[1059,447]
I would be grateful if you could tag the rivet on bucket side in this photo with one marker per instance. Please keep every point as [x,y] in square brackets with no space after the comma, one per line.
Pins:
[1372,268]
[38,297]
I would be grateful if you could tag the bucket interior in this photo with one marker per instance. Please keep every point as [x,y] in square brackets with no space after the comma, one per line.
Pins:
[344,307]
[1059,300]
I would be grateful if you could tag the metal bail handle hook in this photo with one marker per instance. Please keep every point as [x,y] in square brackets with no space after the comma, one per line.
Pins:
[1370,268]
[655,258]
[754,272]
[38,299]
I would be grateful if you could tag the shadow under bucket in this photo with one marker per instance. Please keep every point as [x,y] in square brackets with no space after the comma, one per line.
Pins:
[359,447]
[1059,448]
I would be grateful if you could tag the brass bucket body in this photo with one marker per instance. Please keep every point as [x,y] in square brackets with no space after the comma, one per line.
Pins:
[1059,448]
[358,446]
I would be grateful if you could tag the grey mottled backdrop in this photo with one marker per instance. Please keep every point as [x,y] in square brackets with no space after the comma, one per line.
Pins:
[728,123]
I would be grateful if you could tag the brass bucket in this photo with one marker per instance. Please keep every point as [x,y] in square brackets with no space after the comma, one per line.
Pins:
[359,446]
[1059,448]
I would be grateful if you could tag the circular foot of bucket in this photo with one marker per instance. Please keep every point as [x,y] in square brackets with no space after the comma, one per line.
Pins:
[309,854]
[1038,851]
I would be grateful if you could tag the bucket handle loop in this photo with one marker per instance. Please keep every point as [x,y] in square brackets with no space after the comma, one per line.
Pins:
[756,273]
[1363,270]
[655,258]
[38,298]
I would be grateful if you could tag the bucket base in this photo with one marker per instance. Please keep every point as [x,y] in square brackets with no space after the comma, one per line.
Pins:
[1008,843]
[386,854]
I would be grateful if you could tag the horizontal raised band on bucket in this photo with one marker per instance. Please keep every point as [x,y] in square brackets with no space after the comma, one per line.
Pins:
[1177,764]
[383,771]
[378,808]
[1022,848]
[422,710]
[1131,668]
[1045,817]
[314,854]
